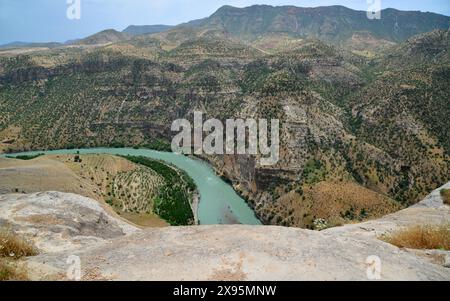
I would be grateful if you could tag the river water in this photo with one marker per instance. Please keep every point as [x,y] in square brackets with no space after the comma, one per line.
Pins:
[219,203]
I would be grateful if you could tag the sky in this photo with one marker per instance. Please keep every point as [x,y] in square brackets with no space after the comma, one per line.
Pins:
[47,20]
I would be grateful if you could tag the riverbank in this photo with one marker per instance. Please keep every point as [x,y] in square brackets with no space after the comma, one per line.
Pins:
[215,194]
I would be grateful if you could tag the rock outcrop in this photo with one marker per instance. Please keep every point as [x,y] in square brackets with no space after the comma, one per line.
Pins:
[58,222]
[64,225]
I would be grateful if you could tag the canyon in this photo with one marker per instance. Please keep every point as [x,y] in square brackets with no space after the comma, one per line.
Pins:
[361,106]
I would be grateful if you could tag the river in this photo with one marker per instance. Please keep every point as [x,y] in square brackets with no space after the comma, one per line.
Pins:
[219,203]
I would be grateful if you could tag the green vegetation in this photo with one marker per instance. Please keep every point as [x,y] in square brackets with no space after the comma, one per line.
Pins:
[25,157]
[314,172]
[352,215]
[159,145]
[325,23]
[173,200]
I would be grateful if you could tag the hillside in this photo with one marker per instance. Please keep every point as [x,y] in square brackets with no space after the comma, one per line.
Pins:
[111,250]
[133,191]
[332,23]
[145,29]
[103,37]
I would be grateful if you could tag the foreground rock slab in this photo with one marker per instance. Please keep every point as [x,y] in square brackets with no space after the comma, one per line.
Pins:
[122,252]
[57,222]
[244,253]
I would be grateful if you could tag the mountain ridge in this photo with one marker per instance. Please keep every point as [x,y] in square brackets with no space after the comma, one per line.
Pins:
[322,22]
[146,29]
[104,37]
[310,18]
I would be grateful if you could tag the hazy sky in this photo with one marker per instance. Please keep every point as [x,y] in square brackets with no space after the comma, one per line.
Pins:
[46,20]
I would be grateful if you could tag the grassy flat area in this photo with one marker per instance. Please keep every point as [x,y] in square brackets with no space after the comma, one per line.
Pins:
[129,189]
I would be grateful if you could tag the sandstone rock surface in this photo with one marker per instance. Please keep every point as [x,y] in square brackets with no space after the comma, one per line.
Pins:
[58,222]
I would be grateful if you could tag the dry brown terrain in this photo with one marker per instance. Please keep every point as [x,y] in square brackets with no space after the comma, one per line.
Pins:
[12,248]
[336,203]
[421,237]
[93,177]
[42,174]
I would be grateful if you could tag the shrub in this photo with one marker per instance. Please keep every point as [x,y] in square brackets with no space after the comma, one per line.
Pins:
[173,200]
[12,246]
[421,237]
[25,157]
[10,272]
[445,193]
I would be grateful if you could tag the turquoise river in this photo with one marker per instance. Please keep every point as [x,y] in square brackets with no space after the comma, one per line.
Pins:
[219,203]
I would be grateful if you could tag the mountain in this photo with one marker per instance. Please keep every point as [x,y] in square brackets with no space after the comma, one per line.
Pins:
[30,45]
[104,37]
[332,23]
[145,29]
[14,44]
[403,108]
